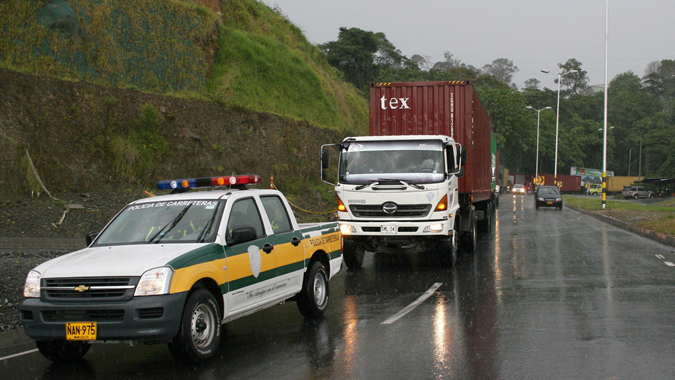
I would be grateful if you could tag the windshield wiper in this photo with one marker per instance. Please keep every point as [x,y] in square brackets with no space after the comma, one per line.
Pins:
[170,225]
[207,227]
[404,183]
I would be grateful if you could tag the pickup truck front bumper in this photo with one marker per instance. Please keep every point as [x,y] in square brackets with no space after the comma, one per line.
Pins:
[140,319]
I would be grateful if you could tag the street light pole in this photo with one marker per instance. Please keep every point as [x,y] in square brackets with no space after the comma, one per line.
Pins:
[536,170]
[557,123]
[604,144]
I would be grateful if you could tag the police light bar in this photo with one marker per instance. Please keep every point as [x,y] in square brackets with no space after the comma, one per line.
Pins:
[194,183]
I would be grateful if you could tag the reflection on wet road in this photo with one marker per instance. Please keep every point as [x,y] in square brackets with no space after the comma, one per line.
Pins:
[550,294]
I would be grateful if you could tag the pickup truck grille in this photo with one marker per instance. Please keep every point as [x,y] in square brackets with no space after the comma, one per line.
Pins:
[83,315]
[402,211]
[94,288]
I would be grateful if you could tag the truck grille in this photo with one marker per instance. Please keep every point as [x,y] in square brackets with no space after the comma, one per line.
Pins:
[402,211]
[95,288]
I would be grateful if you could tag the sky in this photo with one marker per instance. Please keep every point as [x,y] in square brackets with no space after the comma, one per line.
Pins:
[534,34]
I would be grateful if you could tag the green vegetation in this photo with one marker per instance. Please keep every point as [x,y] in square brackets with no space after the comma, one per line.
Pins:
[664,223]
[596,204]
[245,54]
[152,45]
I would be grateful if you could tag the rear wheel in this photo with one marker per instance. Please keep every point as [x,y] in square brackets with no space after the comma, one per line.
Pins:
[486,223]
[62,350]
[313,298]
[635,196]
[199,335]
[353,254]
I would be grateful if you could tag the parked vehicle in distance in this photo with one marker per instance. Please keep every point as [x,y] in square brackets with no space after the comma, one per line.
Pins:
[636,192]
[595,189]
[548,196]
[518,189]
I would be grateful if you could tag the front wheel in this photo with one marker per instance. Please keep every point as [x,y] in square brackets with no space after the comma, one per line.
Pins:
[199,335]
[447,249]
[62,350]
[470,239]
[353,254]
[313,298]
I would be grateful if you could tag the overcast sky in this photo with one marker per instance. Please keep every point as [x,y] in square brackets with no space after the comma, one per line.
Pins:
[534,34]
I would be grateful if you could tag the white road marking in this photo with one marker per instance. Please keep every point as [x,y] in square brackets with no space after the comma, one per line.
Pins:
[19,354]
[413,305]
[660,257]
[669,264]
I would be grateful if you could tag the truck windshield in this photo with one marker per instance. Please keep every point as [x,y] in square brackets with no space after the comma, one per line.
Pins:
[413,161]
[164,222]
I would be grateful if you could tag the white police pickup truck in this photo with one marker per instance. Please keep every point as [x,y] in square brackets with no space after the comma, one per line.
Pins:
[173,268]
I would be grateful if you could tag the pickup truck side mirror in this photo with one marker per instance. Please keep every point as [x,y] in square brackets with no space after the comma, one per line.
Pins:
[241,234]
[90,237]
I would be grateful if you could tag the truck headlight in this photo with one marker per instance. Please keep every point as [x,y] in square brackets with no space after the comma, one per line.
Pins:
[346,229]
[32,287]
[154,282]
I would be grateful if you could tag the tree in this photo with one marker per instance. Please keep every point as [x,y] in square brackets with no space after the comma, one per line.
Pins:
[577,82]
[661,83]
[354,55]
[532,84]
[448,64]
[502,69]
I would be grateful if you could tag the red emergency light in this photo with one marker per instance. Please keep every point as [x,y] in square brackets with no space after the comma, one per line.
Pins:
[195,183]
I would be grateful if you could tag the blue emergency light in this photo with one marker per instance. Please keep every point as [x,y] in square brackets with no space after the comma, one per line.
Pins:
[195,183]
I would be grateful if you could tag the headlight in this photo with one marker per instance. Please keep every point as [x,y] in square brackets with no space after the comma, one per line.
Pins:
[154,282]
[32,287]
[346,229]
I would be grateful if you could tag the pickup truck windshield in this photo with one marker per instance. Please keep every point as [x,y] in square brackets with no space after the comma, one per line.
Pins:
[413,161]
[164,222]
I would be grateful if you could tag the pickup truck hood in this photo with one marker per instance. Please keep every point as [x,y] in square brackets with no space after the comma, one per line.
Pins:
[124,260]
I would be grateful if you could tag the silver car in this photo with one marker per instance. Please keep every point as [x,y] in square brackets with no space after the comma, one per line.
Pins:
[636,192]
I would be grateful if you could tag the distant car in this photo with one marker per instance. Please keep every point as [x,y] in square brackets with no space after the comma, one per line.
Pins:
[595,189]
[518,189]
[636,192]
[528,187]
[548,196]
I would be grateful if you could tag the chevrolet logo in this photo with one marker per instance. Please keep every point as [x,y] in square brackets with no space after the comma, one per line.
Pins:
[81,288]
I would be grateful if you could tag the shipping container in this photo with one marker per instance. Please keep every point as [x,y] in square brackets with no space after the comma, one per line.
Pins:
[438,108]
[570,183]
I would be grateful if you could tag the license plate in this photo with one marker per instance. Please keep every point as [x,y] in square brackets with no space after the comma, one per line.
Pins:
[81,330]
[388,229]
[549,203]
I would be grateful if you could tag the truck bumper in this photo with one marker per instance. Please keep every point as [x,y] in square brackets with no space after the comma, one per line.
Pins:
[141,319]
[412,237]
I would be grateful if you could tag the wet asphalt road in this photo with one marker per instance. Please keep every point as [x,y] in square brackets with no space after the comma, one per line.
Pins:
[550,294]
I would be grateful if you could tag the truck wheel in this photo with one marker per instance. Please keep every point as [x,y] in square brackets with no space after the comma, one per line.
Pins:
[199,335]
[447,248]
[470,239]
[635,196]
[486,223]
[352,254]
[313,297]
[62,350]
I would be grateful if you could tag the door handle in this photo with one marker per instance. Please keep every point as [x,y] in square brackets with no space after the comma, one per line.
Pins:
[267,248]
[295,241]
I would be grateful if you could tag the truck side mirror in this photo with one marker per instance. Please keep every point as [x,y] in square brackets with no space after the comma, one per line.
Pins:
[460,174]
[324,176]
[462,155]
[325,161]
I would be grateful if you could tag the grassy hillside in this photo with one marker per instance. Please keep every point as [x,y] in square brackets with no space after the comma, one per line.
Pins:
[236,52]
